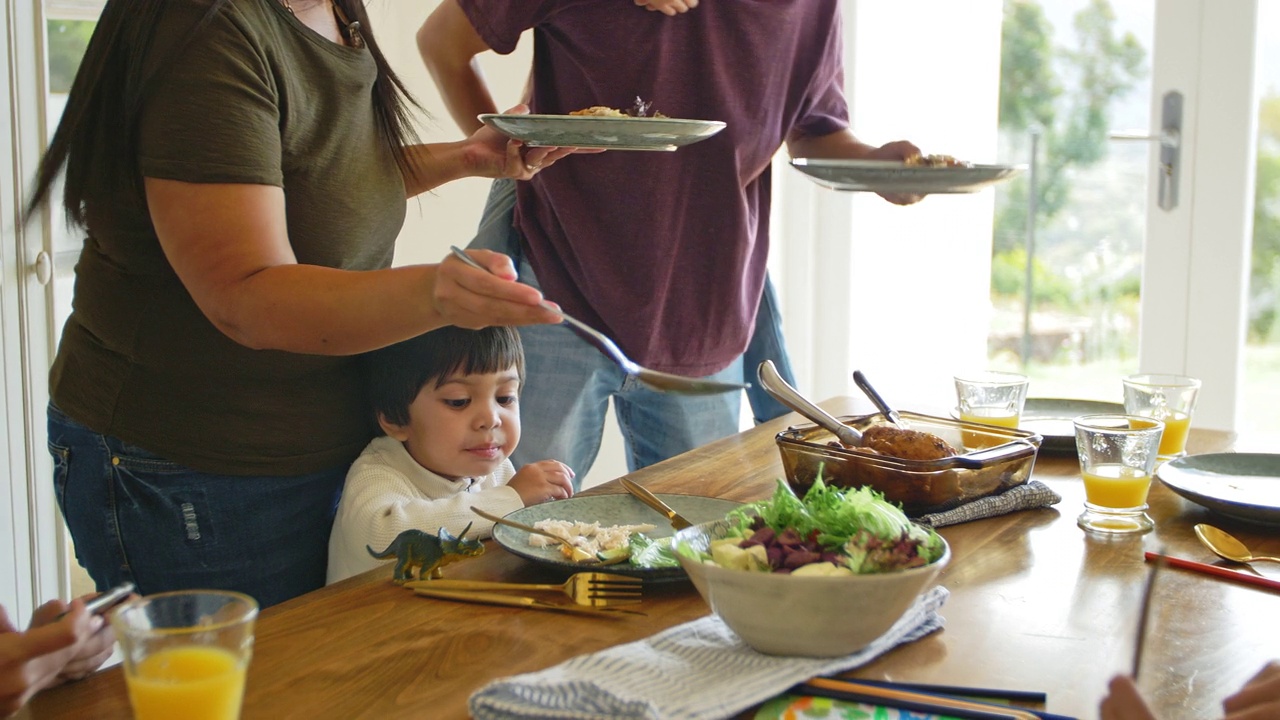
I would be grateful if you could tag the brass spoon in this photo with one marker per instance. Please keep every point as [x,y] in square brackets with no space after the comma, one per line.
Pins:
[1226,546]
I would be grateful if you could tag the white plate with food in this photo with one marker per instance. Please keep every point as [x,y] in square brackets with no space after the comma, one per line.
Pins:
[613,133]
[607,511]
[1244,486]
[887,176]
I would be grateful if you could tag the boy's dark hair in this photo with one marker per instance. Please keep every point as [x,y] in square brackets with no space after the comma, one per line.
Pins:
[397,373]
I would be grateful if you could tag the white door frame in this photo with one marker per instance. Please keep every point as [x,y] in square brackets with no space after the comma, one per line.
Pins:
[1195,280]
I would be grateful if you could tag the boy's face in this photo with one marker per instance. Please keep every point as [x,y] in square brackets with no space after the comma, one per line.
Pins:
[465,427]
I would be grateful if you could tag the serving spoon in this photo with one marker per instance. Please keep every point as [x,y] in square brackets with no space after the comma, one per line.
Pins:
[1226,546]
[782,391]
[889,413]
[653,379]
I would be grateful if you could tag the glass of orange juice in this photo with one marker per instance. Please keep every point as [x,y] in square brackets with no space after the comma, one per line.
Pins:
[991,398]
[1167,398]
[186,653]
[1117,458]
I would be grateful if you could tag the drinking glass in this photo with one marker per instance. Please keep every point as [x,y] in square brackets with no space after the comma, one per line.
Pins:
[991,398]
[1167,398]
[186,653]
[1117,457]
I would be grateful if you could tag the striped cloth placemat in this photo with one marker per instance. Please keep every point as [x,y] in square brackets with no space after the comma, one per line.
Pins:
[698,670]
[1029,495]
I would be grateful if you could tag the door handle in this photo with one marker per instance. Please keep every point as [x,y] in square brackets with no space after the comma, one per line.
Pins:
[1170,139]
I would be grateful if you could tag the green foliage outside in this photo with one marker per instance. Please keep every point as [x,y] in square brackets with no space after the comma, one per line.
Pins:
[1264,286]
[67,42]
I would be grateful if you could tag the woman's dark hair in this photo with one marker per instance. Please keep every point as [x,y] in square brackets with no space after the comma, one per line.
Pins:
[397,373]
[97,139]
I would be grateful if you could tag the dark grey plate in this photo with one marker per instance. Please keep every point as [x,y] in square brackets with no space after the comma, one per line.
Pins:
[608,510]
[885,176]
[1245,486]
[1052,418]
[613,133]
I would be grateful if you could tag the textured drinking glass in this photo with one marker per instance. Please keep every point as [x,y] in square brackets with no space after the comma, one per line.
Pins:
[990,398]
[186,653]
[1167,398]
[1117,457]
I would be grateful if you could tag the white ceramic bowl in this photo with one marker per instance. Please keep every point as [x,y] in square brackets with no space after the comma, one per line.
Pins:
[780,614]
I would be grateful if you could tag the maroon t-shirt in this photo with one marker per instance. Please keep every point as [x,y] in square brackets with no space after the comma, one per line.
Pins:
[666,252]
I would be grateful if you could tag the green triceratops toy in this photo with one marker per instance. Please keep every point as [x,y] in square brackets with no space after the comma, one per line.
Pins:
[420,555]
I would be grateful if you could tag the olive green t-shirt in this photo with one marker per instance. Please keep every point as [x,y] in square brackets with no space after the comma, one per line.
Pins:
[254,97]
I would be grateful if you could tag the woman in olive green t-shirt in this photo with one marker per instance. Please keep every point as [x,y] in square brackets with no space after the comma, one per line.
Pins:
[240,168]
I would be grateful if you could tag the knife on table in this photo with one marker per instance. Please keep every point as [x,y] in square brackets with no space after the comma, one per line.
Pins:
[677,520]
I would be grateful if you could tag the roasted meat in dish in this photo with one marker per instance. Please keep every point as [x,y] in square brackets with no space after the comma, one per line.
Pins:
[906,444]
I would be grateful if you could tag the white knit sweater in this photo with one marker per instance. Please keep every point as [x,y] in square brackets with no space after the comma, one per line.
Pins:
[387,492]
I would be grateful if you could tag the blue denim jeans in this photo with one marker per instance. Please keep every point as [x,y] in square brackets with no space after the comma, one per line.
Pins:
[135,516]
[569,383]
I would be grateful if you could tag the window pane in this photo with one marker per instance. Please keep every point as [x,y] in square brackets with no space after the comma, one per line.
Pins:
[1261,396]
[1073,72]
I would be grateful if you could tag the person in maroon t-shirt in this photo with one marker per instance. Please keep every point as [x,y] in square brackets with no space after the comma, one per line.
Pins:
[664,252]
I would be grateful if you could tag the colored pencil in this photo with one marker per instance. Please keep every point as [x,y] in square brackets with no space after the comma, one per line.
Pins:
[1216,571]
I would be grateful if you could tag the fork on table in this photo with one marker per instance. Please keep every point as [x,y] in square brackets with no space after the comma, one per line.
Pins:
[593,589]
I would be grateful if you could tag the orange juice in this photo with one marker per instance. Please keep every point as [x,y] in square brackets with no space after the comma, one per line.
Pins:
[1002,417]
[1174,441]
[191,683]
[1116,486]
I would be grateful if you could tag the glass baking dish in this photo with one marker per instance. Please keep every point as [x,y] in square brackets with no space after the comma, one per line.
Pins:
[1004,459]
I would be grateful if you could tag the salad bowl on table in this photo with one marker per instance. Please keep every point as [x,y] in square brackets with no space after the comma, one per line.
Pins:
[780,613]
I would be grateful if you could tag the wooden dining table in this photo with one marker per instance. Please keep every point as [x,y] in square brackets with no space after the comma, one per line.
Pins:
[1035,604]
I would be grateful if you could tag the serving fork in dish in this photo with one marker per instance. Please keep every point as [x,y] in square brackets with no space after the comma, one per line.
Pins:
[592,589]
[653,379]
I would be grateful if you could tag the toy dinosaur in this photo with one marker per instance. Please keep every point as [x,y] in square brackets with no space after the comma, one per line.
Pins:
[420,555]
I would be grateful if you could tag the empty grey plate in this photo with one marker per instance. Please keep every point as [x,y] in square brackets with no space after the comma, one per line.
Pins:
[884,176]
[1052,418]
[1244,486]
[620,509]
[612,133]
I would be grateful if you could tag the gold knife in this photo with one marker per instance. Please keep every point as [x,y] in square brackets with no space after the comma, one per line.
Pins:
[487,598]
[676,519]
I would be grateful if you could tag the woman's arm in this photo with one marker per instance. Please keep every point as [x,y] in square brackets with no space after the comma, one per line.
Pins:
[229,245]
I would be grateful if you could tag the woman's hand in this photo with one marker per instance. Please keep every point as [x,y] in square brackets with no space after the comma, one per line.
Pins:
[494,155]
[50,651]
[471,298]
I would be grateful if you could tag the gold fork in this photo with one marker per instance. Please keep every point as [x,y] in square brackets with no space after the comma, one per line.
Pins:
[488,598]
[585,588]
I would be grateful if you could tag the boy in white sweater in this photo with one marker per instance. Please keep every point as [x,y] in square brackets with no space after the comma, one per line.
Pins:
[448,402]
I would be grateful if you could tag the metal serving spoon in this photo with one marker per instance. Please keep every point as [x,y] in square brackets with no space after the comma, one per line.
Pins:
[653,379]
[1226,546]
[782,391]
[890,414]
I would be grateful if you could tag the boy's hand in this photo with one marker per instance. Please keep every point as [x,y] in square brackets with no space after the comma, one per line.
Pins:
[543,481]
[1260,697]
[667,7]
[1123,701]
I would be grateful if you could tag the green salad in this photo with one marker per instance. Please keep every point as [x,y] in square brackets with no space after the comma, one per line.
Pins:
[830,531]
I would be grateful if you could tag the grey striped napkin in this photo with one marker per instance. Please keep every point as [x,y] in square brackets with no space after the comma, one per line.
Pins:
[1033,494]
[700,669]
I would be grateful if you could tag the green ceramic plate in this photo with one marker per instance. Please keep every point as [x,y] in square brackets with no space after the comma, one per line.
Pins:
[1052,418]
[621,509]
[1244,486]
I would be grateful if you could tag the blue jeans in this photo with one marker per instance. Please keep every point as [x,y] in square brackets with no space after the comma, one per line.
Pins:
[136,516]
[569,383]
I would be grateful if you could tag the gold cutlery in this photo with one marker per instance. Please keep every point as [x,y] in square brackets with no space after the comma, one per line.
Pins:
[585,588]
[677,520]
[487,598]
[1226,546]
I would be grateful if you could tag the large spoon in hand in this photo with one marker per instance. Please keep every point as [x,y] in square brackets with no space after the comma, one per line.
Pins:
[652,379]
[1226,546]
